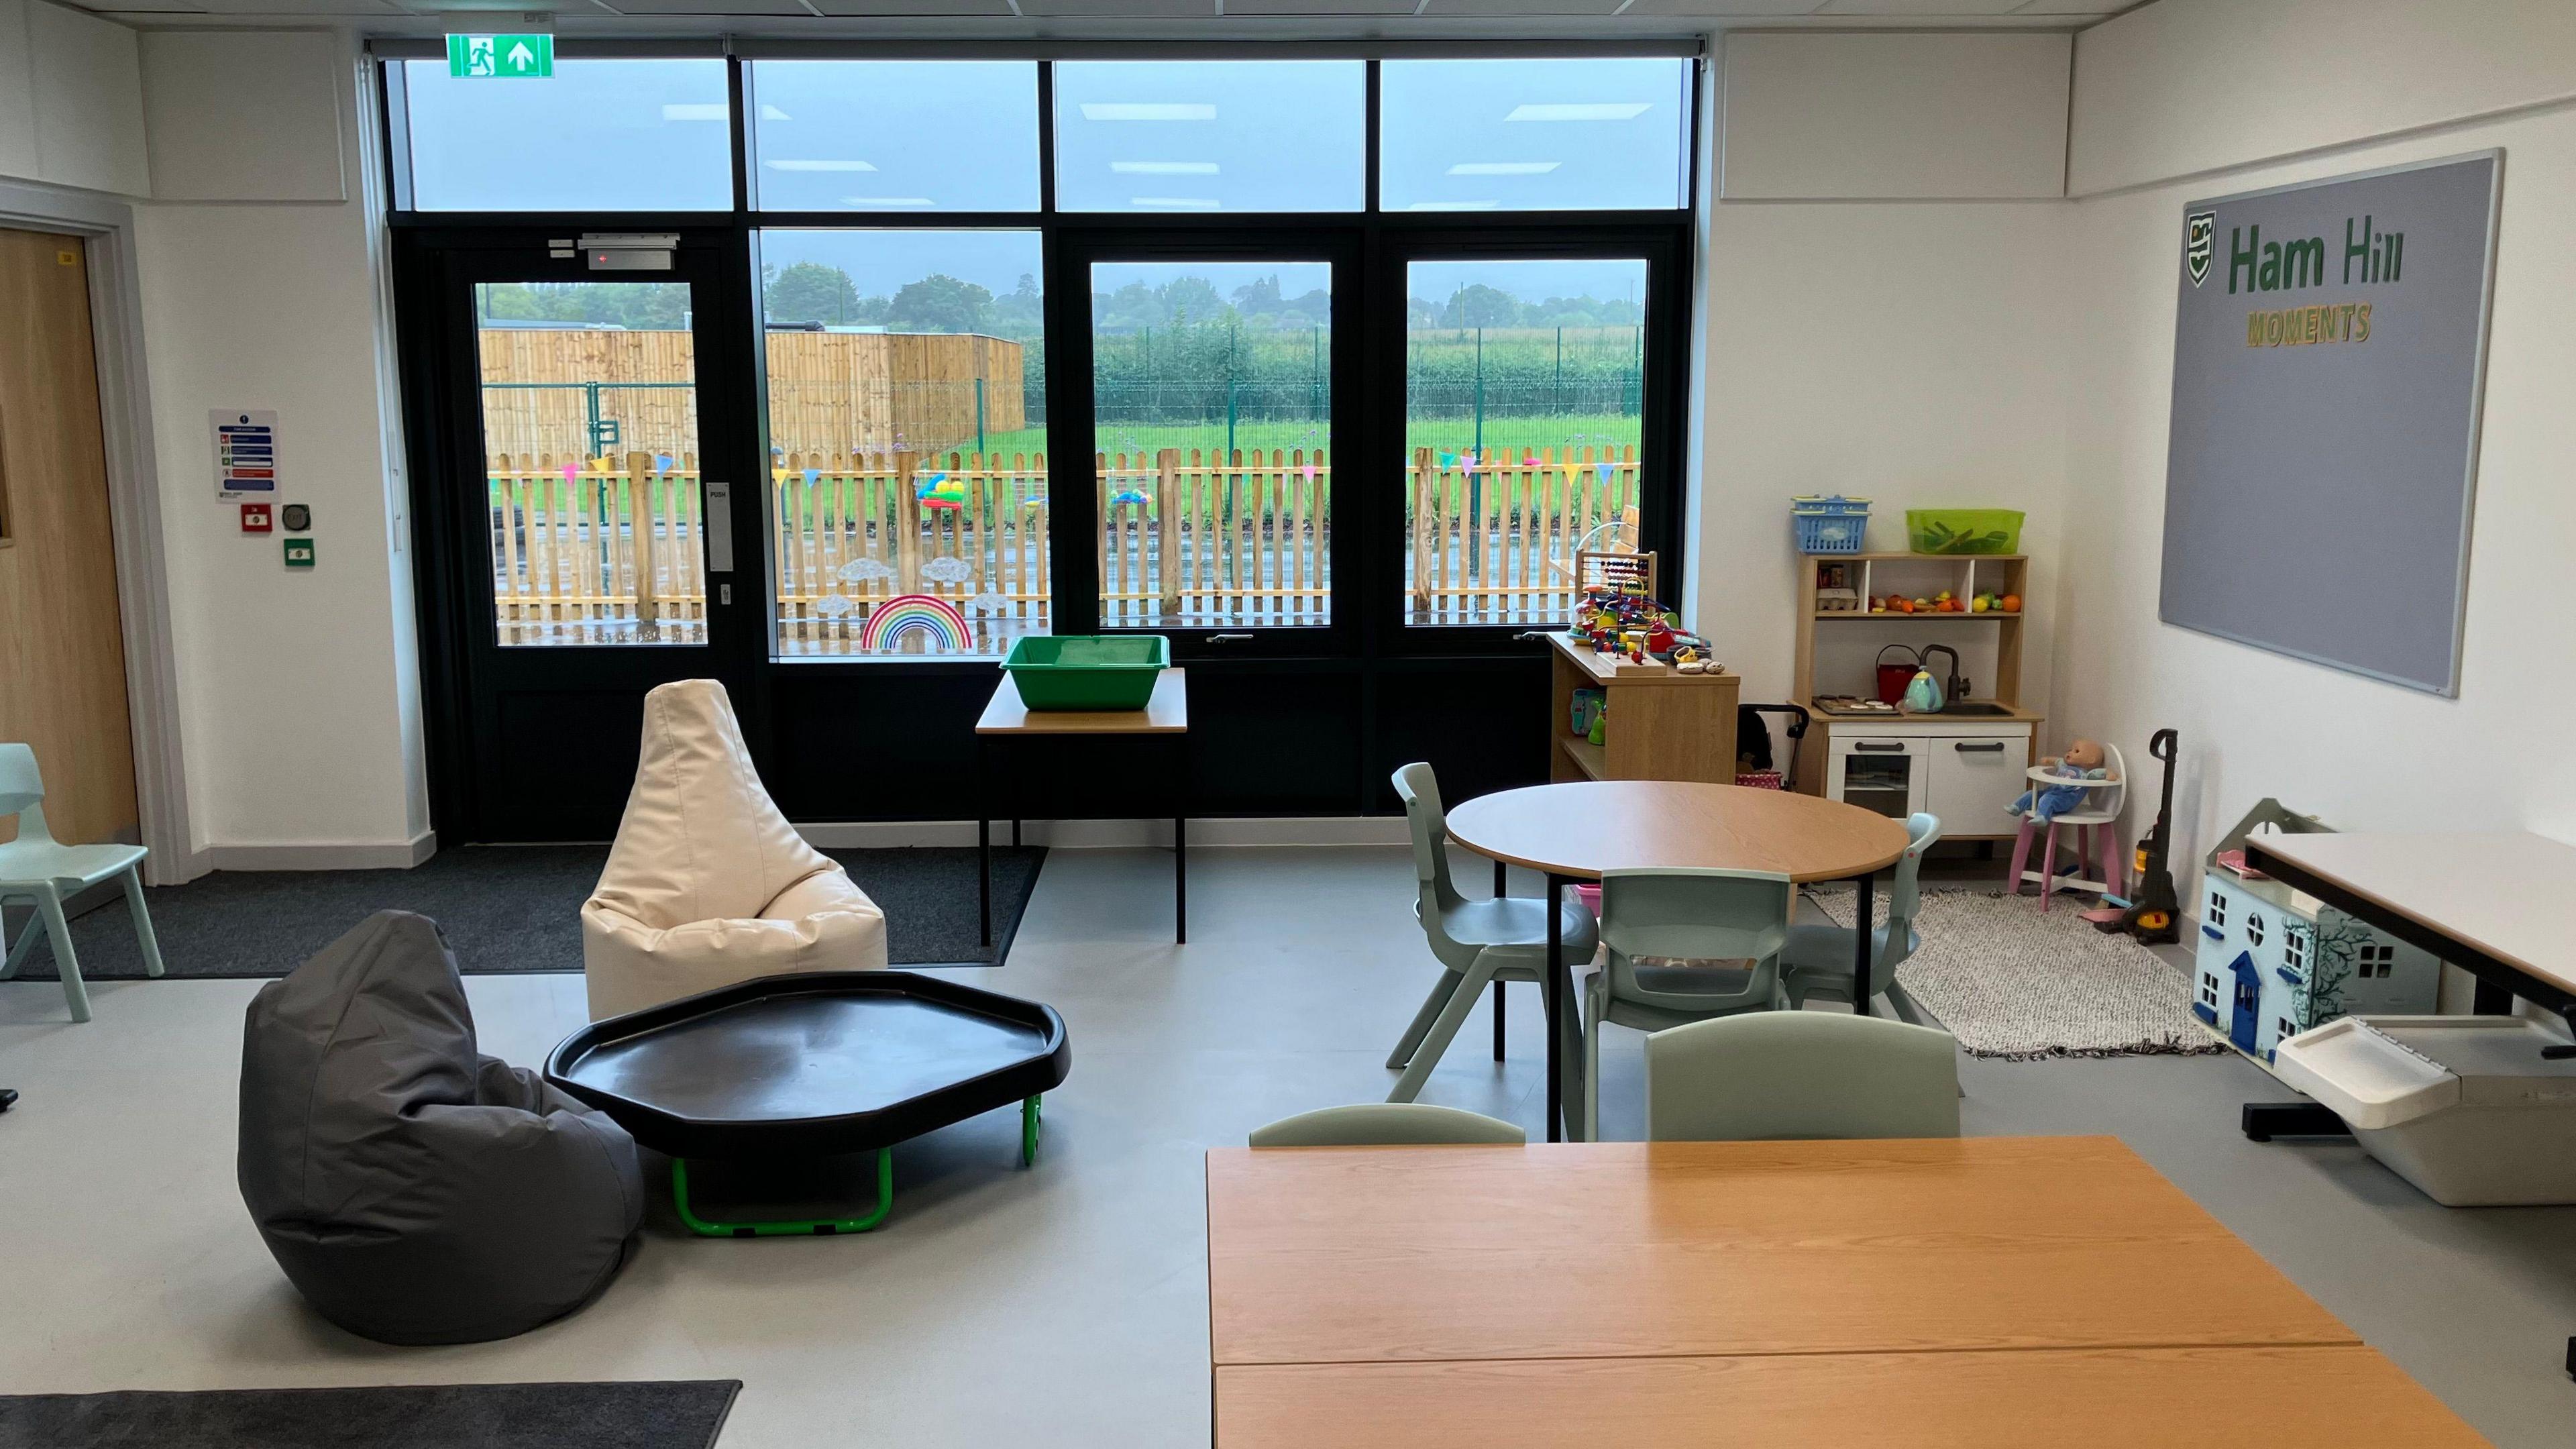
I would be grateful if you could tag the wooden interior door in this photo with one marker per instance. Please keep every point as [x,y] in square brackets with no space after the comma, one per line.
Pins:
[62,650]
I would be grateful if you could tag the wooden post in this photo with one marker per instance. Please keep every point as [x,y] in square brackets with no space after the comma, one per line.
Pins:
[641,484]
[907,534]
[1167,533]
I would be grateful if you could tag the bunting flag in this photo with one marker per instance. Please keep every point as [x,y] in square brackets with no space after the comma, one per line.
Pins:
[811,474]
[661,462]
[571,471]
[1605,472]
[1310,472]
[1448,459]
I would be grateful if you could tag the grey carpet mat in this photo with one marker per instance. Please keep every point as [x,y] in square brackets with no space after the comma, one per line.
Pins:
[671,1415]
[2014,984]
[504,908]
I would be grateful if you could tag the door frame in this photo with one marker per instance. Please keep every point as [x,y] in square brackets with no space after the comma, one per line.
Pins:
[106,228]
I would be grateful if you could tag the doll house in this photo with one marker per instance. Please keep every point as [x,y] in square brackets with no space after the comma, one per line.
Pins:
[2274,962]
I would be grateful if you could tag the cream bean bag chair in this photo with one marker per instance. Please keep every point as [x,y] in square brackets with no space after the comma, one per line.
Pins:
[708,884]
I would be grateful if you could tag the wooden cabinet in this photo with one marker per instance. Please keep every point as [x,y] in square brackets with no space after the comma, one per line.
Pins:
[1661,724]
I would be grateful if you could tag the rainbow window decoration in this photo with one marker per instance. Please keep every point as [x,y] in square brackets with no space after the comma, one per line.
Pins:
[905,615]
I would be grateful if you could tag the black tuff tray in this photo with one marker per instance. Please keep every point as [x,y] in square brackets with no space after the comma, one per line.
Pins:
[812,1063]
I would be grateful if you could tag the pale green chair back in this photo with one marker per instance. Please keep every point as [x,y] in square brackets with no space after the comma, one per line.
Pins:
[1419,789]
[22,792]
[1905,891]
[1387,1124]
[1800,1074]
[1694,915]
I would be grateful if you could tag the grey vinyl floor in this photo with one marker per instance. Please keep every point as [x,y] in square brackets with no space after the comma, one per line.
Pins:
[1067,1305]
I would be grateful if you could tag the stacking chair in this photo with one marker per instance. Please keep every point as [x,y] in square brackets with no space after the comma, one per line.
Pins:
[1681,914]
[1800,1074]
[1818,959]
[36,869]
[1387,1124]
[1503,939]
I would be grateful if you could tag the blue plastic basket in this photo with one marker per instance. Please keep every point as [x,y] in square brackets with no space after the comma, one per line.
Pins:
[1830,525]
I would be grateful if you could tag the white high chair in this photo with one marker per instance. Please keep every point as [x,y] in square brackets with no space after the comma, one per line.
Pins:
[2098,817]
[38,870]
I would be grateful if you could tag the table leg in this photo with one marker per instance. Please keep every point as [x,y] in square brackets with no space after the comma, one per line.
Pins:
[1502,886]
[1498,1021]
[1181,842]
[1863,887]
[983,843]
[1552,991]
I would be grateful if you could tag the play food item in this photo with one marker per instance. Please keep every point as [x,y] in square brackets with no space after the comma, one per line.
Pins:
[1977,605]
[2012,603]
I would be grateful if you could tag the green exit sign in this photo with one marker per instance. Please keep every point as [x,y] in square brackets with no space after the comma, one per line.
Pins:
[501,56]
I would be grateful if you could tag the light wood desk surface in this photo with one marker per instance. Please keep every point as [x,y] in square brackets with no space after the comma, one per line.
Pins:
[1629,1249]
[1585,827]
[2161,1398]
[2503,893]
[1166,713]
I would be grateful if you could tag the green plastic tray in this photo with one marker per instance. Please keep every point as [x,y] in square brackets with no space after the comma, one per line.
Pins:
[1963,530]
[1087,671]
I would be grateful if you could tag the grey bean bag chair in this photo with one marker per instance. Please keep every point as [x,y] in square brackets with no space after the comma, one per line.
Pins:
[413,1190]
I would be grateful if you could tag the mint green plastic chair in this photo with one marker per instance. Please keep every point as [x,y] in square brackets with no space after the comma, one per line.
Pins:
[1503,939]
[36,869]
[1818,958]
[1699,916]
[1800,1074]
[1387,1124]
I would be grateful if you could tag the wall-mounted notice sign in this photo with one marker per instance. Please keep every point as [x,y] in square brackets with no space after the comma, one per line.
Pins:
[245,454]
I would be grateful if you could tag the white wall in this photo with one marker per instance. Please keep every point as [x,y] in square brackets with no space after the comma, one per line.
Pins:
[71,100]
[298,689]
[1813,115]
[1906,351]
[2359,753]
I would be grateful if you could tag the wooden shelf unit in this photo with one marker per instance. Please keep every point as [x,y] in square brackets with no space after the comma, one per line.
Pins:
[2003,573]
[1663,724]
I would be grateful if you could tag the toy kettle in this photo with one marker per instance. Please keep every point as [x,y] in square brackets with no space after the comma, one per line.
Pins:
[1922,694]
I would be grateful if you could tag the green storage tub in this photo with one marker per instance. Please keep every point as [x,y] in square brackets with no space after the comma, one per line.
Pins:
[1087,671]
[1963,530]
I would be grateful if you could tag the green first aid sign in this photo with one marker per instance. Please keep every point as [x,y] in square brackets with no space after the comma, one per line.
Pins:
[501,56]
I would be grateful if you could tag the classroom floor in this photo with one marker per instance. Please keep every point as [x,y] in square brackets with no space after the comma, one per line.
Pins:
[1068,1305]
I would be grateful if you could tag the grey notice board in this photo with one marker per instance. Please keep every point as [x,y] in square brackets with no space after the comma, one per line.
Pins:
[2329,359]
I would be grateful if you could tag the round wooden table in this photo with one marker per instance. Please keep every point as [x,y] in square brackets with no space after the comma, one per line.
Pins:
[1576,831]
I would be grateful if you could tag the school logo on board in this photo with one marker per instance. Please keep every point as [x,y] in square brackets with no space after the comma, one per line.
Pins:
[2200,237]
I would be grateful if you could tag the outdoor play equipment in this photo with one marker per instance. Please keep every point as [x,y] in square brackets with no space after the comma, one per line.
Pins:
[813,1065]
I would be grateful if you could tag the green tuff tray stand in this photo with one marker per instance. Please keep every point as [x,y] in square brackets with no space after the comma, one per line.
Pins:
[827,1227]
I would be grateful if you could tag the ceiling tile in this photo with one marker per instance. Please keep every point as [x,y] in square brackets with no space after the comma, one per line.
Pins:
[911,7]
[707,7]
[1319,7]
[298,7]
[1519,7]
[1122,9]
[1724,9]
[1919,7]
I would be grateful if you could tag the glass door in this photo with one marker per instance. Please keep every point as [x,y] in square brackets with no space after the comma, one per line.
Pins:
[1208,392]
[586,537]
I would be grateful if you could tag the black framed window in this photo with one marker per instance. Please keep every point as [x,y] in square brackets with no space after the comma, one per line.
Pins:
[1513,241]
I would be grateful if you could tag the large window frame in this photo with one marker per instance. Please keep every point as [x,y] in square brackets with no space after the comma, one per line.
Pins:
[1370,403]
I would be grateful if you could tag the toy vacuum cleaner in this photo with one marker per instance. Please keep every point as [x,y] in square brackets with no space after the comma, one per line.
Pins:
[2151,917]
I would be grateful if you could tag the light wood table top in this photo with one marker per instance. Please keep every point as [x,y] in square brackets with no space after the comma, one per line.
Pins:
[2150,1398]
[1166,713]
[1619,669]
[1585,827]
[2503,893]
[1630,1249]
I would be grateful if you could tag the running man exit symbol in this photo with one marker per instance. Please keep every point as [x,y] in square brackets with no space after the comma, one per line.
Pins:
[501,57]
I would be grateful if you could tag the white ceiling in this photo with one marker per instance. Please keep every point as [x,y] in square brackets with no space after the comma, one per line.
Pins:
[601,16]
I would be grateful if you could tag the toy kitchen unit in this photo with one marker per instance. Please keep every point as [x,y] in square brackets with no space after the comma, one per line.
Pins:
[1866,623]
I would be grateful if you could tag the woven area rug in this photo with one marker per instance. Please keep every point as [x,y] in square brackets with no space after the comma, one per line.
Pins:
[686,1414]
[2013,984]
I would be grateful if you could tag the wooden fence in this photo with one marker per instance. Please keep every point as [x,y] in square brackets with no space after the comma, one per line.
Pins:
[1186,540]
[852,391]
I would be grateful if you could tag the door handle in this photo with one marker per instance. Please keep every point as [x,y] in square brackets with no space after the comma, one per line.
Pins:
[1867,748]
[1990,747]
[717,520]
[1227,638]
[1526,635]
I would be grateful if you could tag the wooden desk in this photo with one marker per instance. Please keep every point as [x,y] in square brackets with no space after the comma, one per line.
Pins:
[2001,1293]
[1632,1249]
[2098,1398]
[1166,715]
[1576,831]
